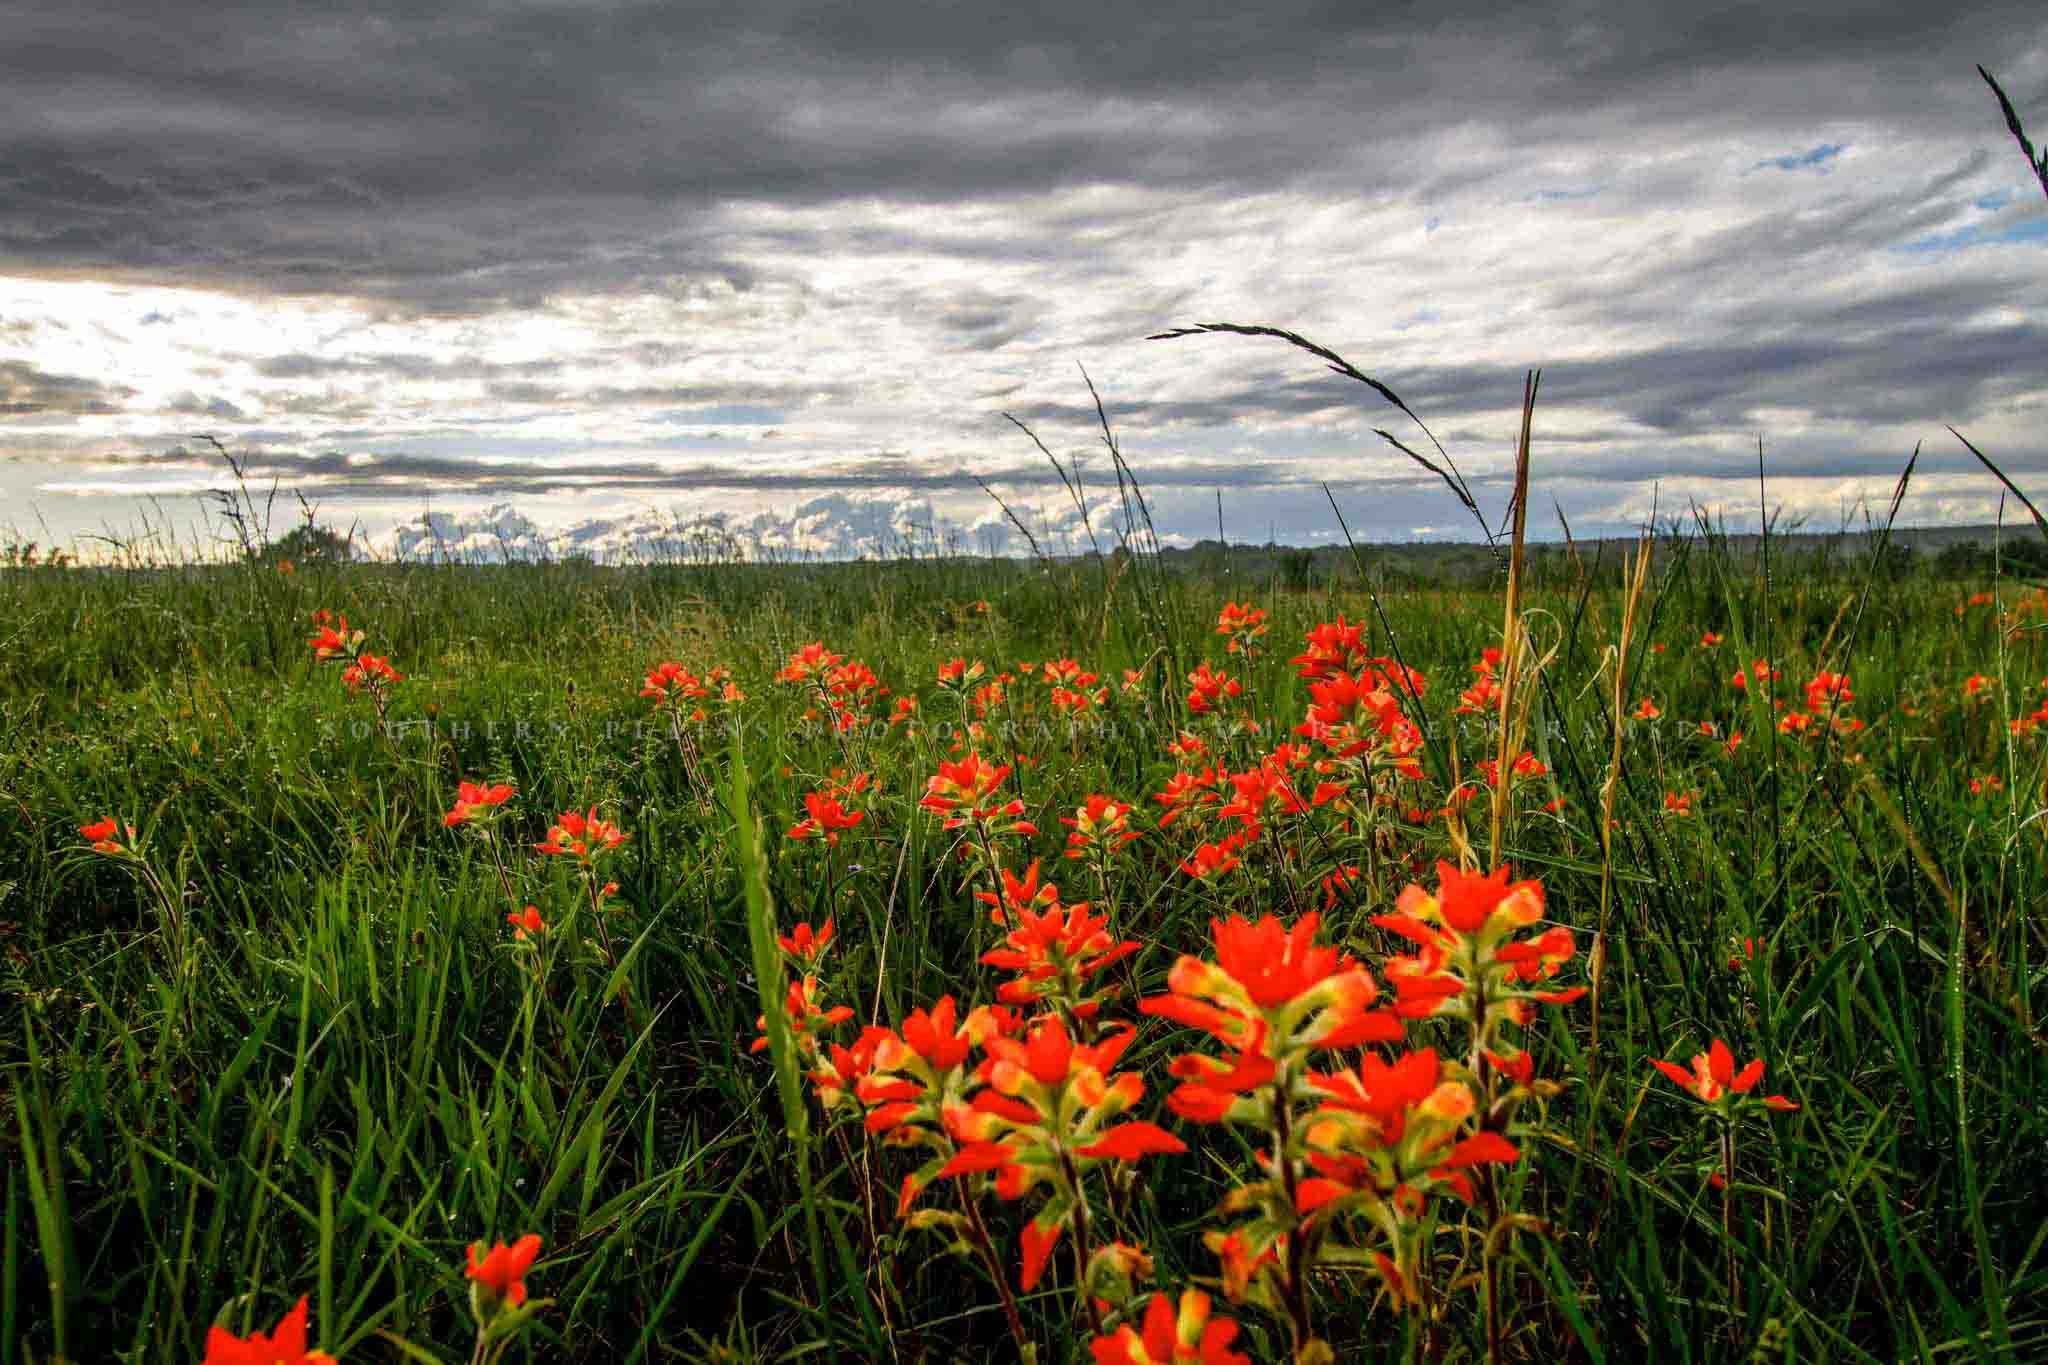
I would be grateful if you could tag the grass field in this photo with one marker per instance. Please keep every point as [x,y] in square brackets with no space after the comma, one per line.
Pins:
[282,1040]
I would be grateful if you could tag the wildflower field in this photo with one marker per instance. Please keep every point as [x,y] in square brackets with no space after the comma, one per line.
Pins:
[979,960]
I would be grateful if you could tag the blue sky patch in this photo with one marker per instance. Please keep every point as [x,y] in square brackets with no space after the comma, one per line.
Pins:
[1799,161]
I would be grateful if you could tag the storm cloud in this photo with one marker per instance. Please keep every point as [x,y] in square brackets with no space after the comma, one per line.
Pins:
[562,253]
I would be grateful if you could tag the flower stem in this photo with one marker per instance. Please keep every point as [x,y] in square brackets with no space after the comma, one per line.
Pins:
[995,1270]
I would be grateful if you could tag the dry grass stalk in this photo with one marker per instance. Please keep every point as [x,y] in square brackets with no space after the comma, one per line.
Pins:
[1512,641]
[1635,574]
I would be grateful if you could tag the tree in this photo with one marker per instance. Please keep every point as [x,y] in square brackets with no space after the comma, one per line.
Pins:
[311,541]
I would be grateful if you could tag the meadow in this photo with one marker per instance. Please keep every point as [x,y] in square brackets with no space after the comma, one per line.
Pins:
[357,914]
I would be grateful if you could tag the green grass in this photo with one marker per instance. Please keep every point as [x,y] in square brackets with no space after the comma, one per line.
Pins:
[351,1074]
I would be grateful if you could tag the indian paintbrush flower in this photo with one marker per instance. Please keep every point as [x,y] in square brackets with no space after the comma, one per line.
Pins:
[283,1345]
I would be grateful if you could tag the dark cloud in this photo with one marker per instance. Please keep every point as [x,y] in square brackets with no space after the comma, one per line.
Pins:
[28,391]
[870,227]
[1912,372]
[192,404]
[459,158]
[1882,362]
[1578,475]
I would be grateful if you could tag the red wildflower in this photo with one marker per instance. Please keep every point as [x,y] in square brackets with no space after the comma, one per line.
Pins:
[1267,974]
[370,670]
[500,1276]
[1464,935]
[1243,624]
[101,833]
[1188,1336]
[1213,860]
[335,638]
[1333,647]
[1212,690]
[805,1018]
[971,783]
[283,1345]
[825,817]
[1482,695]
[813,658]
[1188,791]
[1101,824]
[1258,789]
[1714,1080]
[473,799]
[1827,691]
[582,836]
[805,944]
[933,1035]
[844,1068]
[1054,952]
[1019,893]
[670,684]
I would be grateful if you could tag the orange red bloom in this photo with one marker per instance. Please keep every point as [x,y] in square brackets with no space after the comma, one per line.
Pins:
[1244,624]
[370,671]
[806,944]
[807,662]
[474,799]
[825,817]
[334,639]
[1170,1335]
[100,833]
[499,1276]
[1101,824]
[1212,690]
[1271,990]
[1054,952]
[284,1344]
[583,836]
[1465,939]
[1714,1080]
[1210,861]
[670,684]
[806,1019]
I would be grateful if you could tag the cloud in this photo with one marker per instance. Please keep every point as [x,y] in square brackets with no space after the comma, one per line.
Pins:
[592,252]
[26,391]
[220,409]
[833,526]
[299,365]
[467,159]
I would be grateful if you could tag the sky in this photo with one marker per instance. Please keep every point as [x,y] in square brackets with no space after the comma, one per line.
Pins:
[790,270]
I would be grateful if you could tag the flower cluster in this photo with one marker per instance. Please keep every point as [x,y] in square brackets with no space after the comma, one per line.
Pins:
[829,811]
[1243,624]
[583,837]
